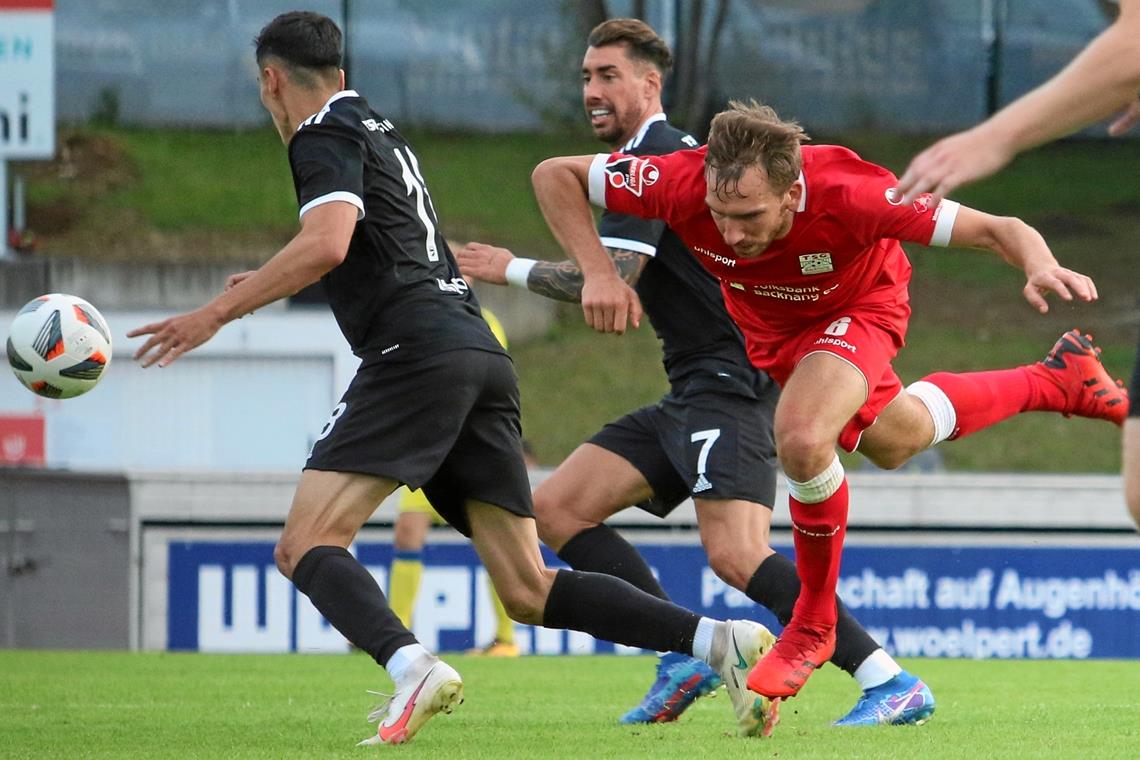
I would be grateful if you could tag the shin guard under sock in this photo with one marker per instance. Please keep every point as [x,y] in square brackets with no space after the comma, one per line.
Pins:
[818,530]
[601,549]
[349,598]
[982,399]
[612,609]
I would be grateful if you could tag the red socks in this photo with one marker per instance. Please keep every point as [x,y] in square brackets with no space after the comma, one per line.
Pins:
[981,399]
[818,531]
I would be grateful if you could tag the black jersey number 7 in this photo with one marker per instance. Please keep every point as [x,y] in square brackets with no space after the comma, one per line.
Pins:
[414,182]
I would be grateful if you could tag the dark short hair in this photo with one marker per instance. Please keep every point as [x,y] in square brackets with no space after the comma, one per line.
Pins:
[308,43]
[644,43]
[752,134]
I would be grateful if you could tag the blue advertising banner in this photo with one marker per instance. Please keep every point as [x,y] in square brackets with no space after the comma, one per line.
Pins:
[917,601]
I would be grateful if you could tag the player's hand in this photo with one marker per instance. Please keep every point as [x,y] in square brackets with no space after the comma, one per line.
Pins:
[234,279]
[173,337]
[608,303]
[952,162]
[1126,120]
[484,262]
[1057,279]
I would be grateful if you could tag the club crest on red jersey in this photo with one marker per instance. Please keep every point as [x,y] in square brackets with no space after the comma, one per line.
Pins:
[631,173]
[816,263]
[922,203]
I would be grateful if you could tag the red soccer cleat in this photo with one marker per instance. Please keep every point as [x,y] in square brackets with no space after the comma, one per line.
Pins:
[1073,366]
[798,652]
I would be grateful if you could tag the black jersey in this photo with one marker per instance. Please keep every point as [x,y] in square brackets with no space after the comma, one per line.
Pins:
[682,300]
[398,293]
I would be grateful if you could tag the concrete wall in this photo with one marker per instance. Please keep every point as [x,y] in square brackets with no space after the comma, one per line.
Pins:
[83,555]
[137,286]
[879,501]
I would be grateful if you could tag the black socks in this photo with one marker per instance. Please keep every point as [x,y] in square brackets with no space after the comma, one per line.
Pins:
[349,598]
[610,608]
[601,549]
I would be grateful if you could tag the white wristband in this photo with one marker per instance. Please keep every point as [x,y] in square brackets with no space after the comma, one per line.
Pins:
[518,270]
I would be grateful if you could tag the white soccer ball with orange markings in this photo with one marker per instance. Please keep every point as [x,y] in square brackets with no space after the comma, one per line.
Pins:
[59,346]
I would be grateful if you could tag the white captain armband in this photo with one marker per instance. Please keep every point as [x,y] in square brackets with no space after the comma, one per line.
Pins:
[518,271]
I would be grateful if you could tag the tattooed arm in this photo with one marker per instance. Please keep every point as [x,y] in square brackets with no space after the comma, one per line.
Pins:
[561,280]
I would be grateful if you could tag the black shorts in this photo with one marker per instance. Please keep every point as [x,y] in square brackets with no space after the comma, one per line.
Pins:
[448,424]
[1134,390]
[710,440]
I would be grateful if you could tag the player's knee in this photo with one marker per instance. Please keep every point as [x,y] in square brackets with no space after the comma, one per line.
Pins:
[551,515]
[284,557]
[524,593]
[523,605]
[805,450]
[732,566]
[735,561]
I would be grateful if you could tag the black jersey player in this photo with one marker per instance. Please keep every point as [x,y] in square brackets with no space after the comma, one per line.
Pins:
[434,403]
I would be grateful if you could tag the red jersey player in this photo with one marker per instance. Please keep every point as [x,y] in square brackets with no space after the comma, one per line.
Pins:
[805,242]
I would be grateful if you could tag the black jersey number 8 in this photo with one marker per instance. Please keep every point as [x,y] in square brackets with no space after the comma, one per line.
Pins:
[414,182]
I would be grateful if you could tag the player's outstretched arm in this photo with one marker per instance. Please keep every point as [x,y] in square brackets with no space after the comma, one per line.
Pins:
[560,280]
[320,245]
[1023,247]
[1103,78]
[560,185]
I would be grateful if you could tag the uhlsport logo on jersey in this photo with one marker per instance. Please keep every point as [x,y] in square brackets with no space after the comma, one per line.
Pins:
[718,258]
[632,174]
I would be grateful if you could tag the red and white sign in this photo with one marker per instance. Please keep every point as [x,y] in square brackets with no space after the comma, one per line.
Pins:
[21,440]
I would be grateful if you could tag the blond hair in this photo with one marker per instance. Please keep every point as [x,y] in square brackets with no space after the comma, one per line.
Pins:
[752,134]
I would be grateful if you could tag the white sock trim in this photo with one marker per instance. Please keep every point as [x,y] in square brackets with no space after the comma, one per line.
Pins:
[403,658]
[938,404]
[820,487]
[702,639]
[518,270]
[876,670]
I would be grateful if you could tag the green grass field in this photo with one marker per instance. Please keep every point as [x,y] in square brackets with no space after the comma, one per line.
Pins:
[119,705]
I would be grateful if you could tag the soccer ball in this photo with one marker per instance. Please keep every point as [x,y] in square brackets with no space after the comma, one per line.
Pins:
[59,346]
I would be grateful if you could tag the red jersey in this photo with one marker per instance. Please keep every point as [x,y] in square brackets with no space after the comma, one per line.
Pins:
[842,251]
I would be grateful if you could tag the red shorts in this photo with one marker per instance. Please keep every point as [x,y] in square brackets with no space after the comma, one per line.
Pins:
[866,337]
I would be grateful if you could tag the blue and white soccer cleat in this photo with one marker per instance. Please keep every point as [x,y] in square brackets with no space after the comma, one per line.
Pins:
[904,699]
[681,680]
